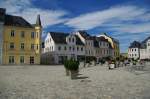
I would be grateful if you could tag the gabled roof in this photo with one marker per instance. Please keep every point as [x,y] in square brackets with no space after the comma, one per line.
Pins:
[85,35]
[60,38]
[146,40]
[143,43]
[102,39]
[78,41]
[11,20]
[113,39]
[135,44]
[98,39]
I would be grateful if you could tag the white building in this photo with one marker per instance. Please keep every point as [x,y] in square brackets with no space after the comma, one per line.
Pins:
[134,50]
[145,49]
[78,45]
[62,46]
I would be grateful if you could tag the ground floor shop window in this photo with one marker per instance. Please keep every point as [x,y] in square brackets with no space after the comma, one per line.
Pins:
[21,59]
[11,59]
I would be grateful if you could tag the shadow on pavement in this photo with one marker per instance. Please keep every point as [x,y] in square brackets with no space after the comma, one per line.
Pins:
[83,77]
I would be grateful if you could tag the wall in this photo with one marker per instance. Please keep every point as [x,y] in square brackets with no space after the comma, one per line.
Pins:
[27,40]
[1,41]
[134,53]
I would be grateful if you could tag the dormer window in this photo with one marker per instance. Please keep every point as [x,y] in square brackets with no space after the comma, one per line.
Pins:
[69,39]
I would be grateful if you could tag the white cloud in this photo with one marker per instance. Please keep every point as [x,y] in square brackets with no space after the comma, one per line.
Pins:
[27,10]
[114,18]
[131,28]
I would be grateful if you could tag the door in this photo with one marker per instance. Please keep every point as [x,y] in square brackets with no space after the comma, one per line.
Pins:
[31,60]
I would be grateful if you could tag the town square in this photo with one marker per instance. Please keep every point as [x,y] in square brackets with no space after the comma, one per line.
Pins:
[74,49]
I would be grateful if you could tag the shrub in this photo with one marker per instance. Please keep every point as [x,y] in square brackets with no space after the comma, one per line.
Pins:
[102,61]
[71,65]
[66,63]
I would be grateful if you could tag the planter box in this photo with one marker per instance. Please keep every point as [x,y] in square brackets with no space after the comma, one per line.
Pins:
[74,74]
[67,72]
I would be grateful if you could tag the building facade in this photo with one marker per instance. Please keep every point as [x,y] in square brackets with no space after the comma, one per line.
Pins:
[97,47]
[21,41]
[62,46]
[114,43]
[145,49]
[78,45]
[134,50]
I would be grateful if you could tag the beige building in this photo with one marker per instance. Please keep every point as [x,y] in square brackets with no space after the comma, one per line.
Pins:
[20,40]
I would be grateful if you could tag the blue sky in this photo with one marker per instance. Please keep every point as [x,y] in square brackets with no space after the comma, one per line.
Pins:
[125,20]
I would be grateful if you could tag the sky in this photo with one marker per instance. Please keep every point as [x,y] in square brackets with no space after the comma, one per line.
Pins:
[125,20]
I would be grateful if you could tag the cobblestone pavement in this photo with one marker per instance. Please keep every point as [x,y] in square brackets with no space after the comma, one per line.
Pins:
[50,82]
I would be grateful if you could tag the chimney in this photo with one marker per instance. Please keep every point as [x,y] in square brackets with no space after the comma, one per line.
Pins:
[2,14]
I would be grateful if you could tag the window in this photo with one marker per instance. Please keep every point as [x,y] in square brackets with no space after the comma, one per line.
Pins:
[104,44]
[148,44]
[59,48]
[11,45]
[37,47]
[81,48]
[135,49]
[22,46]
[100,43]
[70,48]
[52,48]
[21,59]
[32,46]
[22,34]
[12,33]
[11,59]
[73,48]
[69,40]
[32,34]
[72,39]
[65,48]
[77,48]
[31,60]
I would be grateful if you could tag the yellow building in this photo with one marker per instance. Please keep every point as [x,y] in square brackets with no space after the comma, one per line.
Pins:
[114,43]
[21,40]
